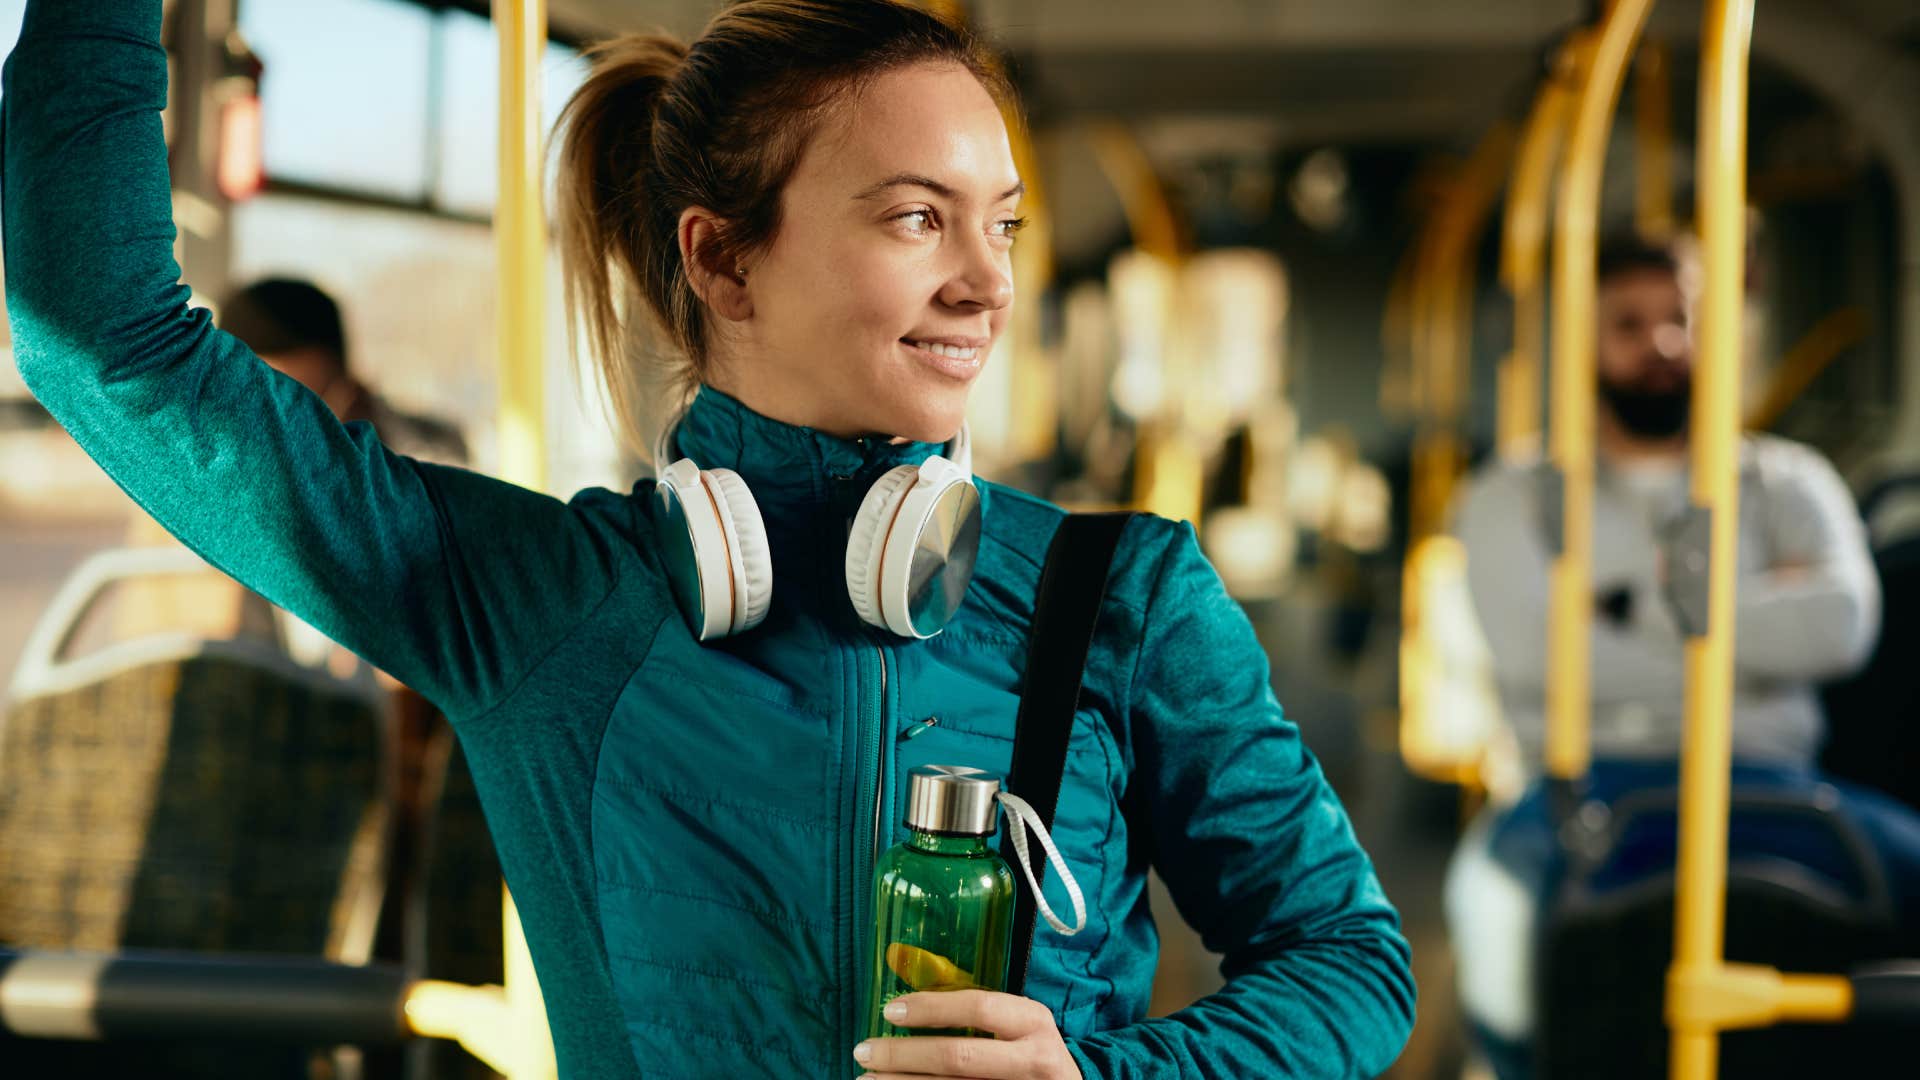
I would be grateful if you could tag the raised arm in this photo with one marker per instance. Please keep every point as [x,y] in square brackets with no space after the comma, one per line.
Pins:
[1258,856]
[428,572]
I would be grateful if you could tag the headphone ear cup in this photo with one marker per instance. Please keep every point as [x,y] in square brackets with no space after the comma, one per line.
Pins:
[699,548]
[867,543]
[747,534]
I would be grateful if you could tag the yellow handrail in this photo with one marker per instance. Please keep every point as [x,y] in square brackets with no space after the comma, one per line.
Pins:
[520,240]
[1441,325]
[1523,247]
[1396,320]
[1705,995]
[1816,351]
[1706,757]
[1033,397]
[1570,605]
[1171,469]
[1150,214]
[1035,374]
[504,1026]
[513,1026]
[1653,143]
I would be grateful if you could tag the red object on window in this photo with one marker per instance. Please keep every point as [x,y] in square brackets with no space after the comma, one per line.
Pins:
[239,170]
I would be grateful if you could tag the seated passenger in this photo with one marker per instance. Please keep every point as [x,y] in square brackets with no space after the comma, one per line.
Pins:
[1808,603]
[295,327]
[1807,609]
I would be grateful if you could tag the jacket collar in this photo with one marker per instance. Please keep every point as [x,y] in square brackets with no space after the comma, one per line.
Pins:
[796,474]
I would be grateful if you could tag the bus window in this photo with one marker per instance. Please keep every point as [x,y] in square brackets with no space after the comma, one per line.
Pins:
[467,169]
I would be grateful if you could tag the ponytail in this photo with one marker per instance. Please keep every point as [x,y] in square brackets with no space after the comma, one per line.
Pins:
[602,212]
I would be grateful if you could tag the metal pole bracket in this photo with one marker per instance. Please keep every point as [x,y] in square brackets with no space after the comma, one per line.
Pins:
[1689,554]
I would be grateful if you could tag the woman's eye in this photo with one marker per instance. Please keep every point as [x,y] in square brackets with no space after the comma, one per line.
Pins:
[1009,226]
[916,221]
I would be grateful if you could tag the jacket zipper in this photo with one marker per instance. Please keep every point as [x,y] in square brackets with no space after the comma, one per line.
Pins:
[879,745]
[867,841]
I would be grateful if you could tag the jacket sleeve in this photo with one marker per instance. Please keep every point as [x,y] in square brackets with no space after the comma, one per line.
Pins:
[1258,856]
[1815,611]
[452,582]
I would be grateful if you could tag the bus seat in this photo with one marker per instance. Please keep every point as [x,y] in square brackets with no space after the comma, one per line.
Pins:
[176,792]
[1871,735]
[1607,939]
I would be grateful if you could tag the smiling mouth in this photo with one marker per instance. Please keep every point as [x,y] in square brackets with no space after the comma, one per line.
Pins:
[951,352]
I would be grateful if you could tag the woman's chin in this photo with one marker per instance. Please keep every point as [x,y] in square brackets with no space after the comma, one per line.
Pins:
[933,421]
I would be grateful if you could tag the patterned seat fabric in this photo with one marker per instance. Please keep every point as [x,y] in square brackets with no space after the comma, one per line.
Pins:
[203,803]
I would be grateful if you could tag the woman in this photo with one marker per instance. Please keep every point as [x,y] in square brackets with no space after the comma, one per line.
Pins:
[813,204]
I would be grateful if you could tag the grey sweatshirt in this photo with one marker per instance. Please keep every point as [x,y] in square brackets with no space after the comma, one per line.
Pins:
[1807,609]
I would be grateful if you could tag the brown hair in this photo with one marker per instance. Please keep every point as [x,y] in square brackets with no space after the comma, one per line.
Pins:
[1627,253]
[660,126]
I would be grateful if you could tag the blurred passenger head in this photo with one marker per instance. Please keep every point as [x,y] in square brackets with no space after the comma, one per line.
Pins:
[1644,357]
[295,328]
[781,207]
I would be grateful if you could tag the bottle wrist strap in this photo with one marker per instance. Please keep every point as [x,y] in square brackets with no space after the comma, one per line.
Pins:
[1022,817]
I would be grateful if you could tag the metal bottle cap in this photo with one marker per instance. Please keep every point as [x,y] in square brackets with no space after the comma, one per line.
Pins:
[952,799]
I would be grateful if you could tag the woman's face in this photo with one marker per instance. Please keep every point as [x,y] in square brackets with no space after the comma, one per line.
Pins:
[890,278]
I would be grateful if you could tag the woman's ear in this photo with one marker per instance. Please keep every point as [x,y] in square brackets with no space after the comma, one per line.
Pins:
[719,284]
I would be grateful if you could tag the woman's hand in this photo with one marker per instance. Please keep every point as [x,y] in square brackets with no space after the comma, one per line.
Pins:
[1025,1045]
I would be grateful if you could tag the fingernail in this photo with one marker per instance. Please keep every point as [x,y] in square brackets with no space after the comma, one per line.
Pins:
[863,1053]
[895,1012]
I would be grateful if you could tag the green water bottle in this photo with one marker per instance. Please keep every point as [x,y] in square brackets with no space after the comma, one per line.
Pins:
[943,899]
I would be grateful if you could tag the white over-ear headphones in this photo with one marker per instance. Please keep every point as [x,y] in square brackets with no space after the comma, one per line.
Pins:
[910,552]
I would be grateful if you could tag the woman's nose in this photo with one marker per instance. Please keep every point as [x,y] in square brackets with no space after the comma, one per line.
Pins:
[983,280]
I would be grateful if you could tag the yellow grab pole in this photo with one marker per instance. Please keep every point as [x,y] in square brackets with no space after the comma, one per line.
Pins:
[1570,604]
[1431,445]
[1706,758]
[1442,325]
[1033,426]
[1171,473]
[1439,325]
[1469,202]
[1816,351]
[474,1016]
[1036,375]
[1523,248]
[1149,210]
[504,1026]
[1706,995]
[520,251]
[520,241]
[1653,143]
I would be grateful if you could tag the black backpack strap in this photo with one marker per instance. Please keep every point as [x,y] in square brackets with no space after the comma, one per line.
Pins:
[1072,585]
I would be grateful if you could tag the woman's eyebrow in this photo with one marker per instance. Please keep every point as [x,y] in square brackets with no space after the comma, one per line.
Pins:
[927,182]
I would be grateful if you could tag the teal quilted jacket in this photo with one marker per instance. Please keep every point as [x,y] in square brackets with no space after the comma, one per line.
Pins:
[689,830]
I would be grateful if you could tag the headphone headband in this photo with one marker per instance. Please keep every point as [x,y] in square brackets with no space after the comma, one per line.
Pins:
[959,449]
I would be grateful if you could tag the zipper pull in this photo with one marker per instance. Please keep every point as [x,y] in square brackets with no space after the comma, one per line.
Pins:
[920,728]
